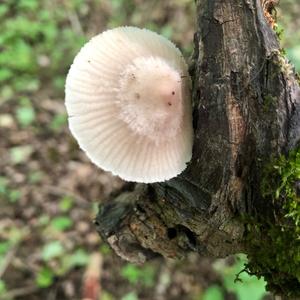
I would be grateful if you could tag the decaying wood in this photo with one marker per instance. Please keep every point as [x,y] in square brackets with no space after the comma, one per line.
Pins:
[246,107]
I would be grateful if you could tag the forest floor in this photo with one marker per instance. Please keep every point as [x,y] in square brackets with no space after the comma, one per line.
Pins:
[50,191]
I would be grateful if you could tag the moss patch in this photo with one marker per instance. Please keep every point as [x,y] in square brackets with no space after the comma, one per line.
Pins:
[274,245]
[269,101]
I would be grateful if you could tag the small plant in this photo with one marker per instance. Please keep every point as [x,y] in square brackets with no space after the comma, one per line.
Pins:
[144,275]
[25,113]
[30,30]
[61,223]
[64,262]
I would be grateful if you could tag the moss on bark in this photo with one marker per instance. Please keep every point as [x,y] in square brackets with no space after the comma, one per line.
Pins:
[274,243]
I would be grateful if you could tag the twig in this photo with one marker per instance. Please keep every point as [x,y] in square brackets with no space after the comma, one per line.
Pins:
[19,292]
[75,23]
[91,281]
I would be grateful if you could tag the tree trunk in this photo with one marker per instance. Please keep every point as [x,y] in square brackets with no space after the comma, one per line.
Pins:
[246,112]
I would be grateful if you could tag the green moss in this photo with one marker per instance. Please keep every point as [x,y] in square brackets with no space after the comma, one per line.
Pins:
[269,100]
[274,244]
[284,64]
[279,31]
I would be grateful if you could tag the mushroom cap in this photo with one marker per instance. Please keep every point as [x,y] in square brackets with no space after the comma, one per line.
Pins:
[128,101]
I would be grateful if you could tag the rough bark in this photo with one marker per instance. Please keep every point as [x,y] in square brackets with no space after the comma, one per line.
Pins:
[246,108]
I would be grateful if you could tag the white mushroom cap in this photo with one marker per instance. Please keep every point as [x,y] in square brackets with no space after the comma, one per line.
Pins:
[129,106]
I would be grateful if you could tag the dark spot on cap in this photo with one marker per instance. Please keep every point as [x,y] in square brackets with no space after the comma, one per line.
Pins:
[137,96]
[173,93]
[169,103]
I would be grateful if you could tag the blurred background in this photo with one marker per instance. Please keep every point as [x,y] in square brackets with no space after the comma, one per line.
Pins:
[49,191]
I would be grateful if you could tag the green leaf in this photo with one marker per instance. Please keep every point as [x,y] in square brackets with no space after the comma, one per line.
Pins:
[43,220]
[30,5]
[20,154]
[66,203]
[3,9]
[4,247]
[61,223]
[52,250]
[130,296]
[16,234]
[5,74]
[59,83]
[14,196]
[44,277]
[145,275]
[213,293]
[131,273]
[25,115]
[79,258]
[26,83]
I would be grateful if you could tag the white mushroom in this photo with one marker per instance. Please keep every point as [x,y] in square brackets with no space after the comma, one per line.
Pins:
[129,106]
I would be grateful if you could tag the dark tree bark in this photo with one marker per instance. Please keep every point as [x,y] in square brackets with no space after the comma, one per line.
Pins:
[246,109]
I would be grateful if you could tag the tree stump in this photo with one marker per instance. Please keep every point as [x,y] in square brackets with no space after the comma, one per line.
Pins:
[246,118]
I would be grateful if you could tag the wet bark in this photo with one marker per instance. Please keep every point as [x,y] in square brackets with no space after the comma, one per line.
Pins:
[246,108]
